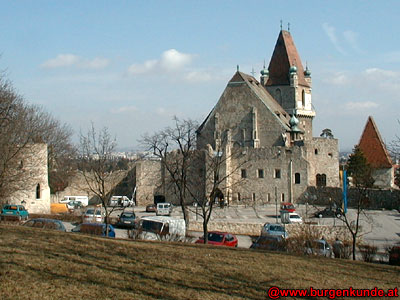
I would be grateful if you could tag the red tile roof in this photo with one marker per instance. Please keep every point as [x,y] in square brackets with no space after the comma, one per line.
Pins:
[285,55]
[372,146]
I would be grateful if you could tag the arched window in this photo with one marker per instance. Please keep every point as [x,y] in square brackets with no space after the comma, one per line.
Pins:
[297,178]
[38,191]
[303,99]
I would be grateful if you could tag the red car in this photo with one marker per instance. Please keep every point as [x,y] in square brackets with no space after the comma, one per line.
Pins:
[287,207]
[220,239]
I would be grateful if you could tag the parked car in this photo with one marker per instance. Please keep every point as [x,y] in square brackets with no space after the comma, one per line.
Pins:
[288,207]
[328,213]
[274,229]
[220,239]
[290,218]
[17,211]
[394,255]
[95,229]
[93,215]
[126,220]
[160,227]
[74,204]
[151,208]
[269,242]
[84,199]
[46,224]
[318,247]
[164,209]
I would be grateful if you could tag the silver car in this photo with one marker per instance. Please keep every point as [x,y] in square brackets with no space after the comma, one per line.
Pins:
[93,215]
[274,229]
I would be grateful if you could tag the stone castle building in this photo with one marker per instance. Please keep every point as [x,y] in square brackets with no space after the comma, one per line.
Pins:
[268,122]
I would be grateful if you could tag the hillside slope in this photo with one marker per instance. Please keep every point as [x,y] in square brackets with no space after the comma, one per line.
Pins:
[41,264]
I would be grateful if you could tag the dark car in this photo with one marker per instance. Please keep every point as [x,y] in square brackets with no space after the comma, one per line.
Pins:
[126,220]
[220,239]
[151,208]
[269,242]
[328,213]
[95,229]
[394,256]
[46,224]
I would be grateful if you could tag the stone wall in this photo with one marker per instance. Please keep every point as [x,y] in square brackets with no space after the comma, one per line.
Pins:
[148,181]
[32,187]
[254,229]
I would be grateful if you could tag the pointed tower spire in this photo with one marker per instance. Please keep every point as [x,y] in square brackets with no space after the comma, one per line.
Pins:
[285,55]
[372,146]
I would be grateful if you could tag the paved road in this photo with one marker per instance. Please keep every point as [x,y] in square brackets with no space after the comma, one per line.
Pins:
[380,227]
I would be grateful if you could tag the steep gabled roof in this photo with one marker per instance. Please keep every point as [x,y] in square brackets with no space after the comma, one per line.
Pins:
[261,93]
[372,146]
[284,56]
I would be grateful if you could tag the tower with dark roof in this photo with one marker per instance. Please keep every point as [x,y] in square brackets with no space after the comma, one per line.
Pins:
[289,83]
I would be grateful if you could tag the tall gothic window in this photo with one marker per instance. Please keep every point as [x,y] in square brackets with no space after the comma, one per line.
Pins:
[303,98]
[38,191]
[297,178]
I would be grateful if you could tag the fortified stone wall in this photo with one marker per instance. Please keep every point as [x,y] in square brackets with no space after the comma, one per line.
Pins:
[148,181]
[323,156]
[32,187]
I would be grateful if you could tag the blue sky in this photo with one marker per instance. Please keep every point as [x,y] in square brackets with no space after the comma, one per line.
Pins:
[133,65]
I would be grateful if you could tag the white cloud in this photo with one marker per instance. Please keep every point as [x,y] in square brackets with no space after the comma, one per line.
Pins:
[170,60]
[61,60]
[95,63]
[360,105]
[173,60]
[68,60]
[124,109]
[146,67]
[331,33]
[196,76]
[381,73]
[351,38]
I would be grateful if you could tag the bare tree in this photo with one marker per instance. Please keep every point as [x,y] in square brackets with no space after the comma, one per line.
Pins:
[97,166]
[360,172]
[21,126]
[175,147]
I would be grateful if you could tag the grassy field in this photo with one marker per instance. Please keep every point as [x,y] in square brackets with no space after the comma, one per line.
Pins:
[41,264]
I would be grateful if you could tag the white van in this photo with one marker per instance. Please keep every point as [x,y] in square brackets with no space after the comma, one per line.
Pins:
[83,199]
[164,209]
[155,228]
[122,201]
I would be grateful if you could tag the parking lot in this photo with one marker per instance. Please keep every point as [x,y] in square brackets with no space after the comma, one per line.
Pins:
[379,227]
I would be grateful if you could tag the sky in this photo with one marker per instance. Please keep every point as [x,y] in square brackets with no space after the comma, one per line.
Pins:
[133,65]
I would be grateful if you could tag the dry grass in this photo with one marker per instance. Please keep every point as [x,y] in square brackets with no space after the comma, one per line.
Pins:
[41,264]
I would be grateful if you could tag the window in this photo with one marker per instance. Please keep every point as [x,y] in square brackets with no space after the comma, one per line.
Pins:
[279,96]
[316,151]
[330,155]
[244,173]
[321,180]
[269,197]
[238,196]
[260,173]
[303,98]
[297,178]
[38,191]
[282,197]
[254,197]
[277,173]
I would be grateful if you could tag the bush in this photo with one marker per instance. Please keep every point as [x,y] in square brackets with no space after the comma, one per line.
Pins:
[368,252]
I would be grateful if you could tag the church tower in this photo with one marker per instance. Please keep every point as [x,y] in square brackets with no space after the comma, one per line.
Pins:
[288,82]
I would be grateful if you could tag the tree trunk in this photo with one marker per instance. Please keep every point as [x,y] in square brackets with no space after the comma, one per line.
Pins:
[354,246]
[205,230]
